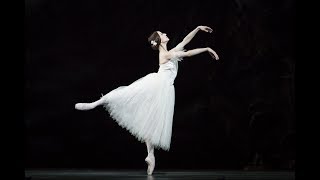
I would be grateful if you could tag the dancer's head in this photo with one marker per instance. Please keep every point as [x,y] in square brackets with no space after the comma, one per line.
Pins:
[157,38]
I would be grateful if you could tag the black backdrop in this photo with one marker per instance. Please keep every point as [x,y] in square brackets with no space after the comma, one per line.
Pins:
[226,111]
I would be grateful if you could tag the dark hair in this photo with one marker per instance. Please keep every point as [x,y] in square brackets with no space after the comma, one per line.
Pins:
[154,37]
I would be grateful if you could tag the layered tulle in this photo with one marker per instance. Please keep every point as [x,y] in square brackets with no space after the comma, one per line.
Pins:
[145,108]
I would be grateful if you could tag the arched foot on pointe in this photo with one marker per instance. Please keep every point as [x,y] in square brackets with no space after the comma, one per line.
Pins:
[83,106]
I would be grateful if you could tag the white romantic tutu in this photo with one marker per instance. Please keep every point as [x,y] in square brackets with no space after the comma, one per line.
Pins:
[146,107]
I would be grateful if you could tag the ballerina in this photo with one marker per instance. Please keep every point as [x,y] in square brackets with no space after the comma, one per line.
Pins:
[145,108]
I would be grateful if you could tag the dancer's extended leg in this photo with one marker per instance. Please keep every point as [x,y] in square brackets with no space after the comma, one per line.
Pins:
[88,106]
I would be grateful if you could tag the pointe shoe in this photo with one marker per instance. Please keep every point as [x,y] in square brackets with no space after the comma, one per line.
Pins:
[150,160]
[83,106]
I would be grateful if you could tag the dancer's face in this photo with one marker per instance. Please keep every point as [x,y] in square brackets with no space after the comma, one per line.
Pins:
[163,37]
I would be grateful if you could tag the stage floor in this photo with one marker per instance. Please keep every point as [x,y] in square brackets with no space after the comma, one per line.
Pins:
[158,174]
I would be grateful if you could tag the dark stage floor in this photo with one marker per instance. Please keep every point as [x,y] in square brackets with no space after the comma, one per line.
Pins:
[158,175]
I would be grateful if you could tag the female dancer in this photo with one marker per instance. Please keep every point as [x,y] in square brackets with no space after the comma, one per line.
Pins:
[145,108]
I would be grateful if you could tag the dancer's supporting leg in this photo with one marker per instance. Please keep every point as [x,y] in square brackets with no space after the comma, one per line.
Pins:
[150,159]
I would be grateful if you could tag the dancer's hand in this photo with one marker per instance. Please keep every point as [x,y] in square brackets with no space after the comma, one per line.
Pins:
[205,29]
[213,54]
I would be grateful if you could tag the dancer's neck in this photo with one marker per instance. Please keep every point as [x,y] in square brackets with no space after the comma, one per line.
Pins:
[163,48]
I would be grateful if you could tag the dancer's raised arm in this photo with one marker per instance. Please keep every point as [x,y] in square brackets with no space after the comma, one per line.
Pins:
[193,52]
[190,36]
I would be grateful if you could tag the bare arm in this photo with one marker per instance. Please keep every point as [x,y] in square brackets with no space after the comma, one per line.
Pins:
[191,35]
[193,52]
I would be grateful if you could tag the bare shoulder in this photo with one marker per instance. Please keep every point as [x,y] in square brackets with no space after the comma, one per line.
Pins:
[165,57]
[169,55]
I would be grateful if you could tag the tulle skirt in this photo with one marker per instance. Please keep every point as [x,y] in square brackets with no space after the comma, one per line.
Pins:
[145,108]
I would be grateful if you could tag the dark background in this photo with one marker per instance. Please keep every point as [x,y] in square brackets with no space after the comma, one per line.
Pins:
[235,113]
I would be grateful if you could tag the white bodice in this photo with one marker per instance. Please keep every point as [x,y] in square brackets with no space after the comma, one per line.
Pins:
[170,69]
